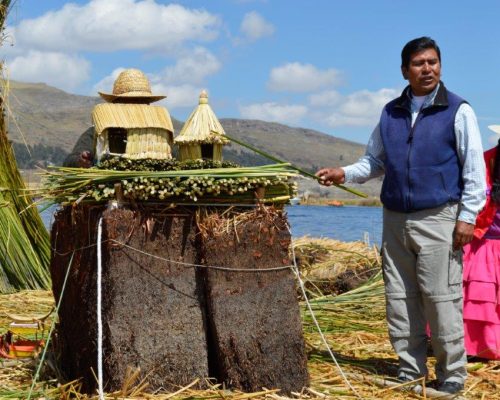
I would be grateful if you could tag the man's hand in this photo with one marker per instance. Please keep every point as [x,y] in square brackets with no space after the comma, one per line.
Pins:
[85,160]
[329,176]
[463,234]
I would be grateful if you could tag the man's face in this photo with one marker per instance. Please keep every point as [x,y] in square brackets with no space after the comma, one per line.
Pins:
[423,72]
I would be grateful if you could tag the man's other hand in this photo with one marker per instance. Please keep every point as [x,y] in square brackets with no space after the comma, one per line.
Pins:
[463,234]
[85,160]
[329,176]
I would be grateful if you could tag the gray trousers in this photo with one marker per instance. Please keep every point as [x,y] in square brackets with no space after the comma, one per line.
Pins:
[423,283]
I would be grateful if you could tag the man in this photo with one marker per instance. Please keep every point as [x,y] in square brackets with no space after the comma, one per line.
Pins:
[81,155]
[428,145]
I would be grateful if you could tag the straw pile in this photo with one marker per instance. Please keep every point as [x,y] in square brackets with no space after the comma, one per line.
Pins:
[334,267]
[24,242]
[357,337]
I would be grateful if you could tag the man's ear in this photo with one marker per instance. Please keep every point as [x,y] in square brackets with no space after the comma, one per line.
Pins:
[404,71]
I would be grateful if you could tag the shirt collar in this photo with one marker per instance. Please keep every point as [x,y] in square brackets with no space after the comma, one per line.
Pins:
[437,97]
[428,101]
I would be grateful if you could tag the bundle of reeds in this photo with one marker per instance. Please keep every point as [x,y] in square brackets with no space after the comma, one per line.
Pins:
[66,185]
[24,241]
[330,266]
[350,311]
[148,143]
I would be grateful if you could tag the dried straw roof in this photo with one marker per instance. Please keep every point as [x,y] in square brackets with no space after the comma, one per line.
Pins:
[201,125]
[130,116]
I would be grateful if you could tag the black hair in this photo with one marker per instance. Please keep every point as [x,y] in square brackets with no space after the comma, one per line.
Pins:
[495,191]
[416,45]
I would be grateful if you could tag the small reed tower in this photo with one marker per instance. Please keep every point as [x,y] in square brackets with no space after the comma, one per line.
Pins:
[201,136]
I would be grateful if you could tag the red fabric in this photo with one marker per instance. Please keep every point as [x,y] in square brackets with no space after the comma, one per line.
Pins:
[486,216]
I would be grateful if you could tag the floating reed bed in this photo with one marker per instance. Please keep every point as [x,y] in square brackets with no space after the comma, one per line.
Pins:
[353,324]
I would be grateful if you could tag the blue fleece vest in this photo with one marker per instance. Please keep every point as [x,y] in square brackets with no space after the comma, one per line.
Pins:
[422,169]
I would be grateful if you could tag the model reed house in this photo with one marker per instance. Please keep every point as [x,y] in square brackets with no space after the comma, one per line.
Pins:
[202,134]
[124,127]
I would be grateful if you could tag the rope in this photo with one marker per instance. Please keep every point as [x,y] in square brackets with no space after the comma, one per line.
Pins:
[37,374]
[99,316]
[177,262]
[201,265]
[295,269]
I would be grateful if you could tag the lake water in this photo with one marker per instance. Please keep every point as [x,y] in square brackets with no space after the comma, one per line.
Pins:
[346,223]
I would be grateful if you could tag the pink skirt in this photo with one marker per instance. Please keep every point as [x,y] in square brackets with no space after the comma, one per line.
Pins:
[482,298]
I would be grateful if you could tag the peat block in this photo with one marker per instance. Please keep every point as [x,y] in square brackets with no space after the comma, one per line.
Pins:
[152,309]
[254,316]
[175,322]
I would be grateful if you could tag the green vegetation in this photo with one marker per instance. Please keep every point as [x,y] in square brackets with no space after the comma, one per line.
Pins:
[24,241]
[229,185]
[149,164]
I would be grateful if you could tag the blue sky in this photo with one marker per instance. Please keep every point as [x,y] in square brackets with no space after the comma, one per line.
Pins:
[322,64]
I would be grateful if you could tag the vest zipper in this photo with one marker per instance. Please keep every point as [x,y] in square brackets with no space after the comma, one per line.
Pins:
[410,142]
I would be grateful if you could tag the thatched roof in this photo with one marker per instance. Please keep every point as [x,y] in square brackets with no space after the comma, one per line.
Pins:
[201,125]
[130,116]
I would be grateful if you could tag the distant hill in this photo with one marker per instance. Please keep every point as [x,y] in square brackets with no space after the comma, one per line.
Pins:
[50,121]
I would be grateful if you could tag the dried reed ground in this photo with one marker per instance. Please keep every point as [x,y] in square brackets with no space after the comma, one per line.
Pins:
[353,324]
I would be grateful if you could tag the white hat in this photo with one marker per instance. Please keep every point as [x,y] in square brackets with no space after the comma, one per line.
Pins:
[495,128]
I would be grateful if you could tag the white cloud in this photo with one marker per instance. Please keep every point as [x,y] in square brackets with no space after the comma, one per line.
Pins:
[105,85]
[181,82]
[57,69]
[192,67]
[287,114]
[111,25]
[297,77]
[254,26]
[179,96]
[361,108]
[329,98]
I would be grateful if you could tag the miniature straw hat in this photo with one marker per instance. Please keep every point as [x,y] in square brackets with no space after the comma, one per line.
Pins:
[131,83]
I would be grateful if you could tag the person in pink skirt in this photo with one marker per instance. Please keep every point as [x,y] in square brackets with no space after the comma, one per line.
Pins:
[482,270]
